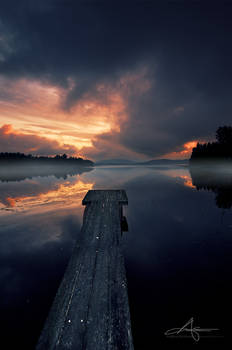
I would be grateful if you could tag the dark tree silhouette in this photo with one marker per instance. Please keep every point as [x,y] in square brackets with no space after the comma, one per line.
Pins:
[18,158]
[222,149]
[224,135]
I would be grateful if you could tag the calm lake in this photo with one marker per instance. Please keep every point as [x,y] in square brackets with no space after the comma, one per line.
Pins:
[178,250]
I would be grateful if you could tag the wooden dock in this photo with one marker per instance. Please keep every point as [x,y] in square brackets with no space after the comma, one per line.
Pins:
[91,310]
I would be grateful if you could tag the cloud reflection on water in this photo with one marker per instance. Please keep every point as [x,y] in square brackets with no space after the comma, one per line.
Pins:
[174,239]
[43,194]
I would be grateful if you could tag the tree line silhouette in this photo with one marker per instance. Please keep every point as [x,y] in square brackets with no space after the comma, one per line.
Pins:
[221,149]
[12,158]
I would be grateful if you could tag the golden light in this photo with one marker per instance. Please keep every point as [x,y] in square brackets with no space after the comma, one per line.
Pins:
[36,110]
[67,194]
[182,174]
[190,145]
[184,153]
[187,181]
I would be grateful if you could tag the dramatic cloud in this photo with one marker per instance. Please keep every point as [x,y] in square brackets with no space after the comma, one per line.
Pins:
[11,141]
[80,52]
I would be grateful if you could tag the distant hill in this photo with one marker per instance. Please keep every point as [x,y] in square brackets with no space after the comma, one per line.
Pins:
[115,162]
[164,162]
[149,162]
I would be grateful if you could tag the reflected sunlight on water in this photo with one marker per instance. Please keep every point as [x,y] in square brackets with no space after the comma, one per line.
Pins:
[181,174]
[68,193]
[179,220]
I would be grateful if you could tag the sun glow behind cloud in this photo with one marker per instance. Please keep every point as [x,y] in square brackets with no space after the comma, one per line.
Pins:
[184,153]
[35,108]
[90,126]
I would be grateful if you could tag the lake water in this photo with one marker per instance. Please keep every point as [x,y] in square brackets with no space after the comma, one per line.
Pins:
[178,251]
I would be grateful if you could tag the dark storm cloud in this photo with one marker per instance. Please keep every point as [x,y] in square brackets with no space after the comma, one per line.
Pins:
[186,46]
[88,41]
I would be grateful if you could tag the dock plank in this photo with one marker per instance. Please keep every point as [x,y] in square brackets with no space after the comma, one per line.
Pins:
[91,309]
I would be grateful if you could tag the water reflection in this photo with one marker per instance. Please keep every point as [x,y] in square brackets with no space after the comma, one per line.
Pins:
[179,173]
[20,172]
[177,251]
[214,178]
[40,222]
[42,194]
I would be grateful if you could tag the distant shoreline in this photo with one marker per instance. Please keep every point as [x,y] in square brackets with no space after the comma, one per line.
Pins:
[23,159]
[125,162]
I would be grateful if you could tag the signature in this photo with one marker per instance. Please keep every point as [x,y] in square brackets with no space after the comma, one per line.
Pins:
[188,327]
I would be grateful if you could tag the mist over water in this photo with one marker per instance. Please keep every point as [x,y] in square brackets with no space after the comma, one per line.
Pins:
[177,251]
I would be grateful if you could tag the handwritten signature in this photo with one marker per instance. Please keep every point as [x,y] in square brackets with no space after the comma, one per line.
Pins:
[188,327]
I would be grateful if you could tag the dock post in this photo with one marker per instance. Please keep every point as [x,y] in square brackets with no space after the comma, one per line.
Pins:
[91,309]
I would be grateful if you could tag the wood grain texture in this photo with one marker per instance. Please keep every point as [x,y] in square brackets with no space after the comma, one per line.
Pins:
[91,310]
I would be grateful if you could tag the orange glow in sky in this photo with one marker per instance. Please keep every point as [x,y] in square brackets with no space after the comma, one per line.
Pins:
[185,153]
[36,109]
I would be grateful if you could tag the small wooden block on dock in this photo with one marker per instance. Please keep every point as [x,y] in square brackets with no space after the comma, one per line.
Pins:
[91,310]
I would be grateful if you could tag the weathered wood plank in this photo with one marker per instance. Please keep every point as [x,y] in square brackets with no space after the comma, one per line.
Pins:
[106,195]
[91,310]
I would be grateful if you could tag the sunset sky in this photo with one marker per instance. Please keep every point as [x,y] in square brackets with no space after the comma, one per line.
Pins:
[113,79]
